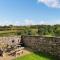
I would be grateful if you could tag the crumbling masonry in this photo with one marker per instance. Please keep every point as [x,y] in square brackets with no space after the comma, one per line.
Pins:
[39,43]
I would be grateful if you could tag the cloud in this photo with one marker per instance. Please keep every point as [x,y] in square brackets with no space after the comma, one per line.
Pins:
[20,22]
[30,22]
[6,21]
[51,3]
[42,22]
[34,22]
[25,22]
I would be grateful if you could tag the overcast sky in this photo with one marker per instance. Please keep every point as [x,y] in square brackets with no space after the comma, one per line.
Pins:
[27,12]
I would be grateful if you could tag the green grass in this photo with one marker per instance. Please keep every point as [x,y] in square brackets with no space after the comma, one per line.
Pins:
[36,56]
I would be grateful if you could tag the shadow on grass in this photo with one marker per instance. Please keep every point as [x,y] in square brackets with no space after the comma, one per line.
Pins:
[37,56]
[45,55]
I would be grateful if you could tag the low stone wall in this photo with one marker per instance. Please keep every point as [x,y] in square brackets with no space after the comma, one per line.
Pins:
[49,45]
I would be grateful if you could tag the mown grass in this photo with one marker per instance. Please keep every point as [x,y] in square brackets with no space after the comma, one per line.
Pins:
[36,56]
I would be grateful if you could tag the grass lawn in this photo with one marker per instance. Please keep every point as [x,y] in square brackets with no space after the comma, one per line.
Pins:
[36,56]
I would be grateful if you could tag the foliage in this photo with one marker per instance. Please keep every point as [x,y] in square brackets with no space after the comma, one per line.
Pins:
[51,30]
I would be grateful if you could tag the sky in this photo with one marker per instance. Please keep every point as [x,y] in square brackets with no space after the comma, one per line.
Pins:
[29,12]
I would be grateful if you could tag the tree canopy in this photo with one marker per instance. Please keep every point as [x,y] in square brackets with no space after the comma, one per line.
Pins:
[50,30]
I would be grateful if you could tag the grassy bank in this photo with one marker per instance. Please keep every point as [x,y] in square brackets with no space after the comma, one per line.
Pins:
[36,56]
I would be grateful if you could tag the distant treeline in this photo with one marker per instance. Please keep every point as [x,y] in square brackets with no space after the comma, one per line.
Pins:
[50,30]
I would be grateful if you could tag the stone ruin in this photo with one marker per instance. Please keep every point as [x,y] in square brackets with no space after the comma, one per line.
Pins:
[9,43]
[44,44]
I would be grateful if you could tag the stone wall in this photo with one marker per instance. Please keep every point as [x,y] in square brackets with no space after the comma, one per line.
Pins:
[39,43]
[49,45]
[9,40]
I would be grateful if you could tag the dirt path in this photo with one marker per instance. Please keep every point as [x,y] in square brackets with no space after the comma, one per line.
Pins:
[25,52]
[6,57]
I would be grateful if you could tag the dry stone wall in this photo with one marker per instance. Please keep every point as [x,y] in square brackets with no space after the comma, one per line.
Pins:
[49,45]
[9,40]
